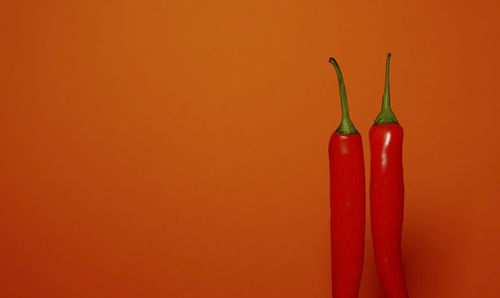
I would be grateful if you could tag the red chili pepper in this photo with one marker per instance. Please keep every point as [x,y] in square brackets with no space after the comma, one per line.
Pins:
[387,196]
[347,201]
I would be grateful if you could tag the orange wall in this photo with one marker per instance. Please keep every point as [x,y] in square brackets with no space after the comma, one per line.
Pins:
[179,148]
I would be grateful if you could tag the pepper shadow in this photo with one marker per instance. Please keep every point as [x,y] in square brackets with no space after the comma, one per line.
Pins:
[423,259]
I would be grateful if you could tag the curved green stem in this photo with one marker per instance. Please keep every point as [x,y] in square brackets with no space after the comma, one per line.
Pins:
[346,126]
[386,116]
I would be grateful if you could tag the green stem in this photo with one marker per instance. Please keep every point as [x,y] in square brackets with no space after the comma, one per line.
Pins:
[346,126]
[386,116]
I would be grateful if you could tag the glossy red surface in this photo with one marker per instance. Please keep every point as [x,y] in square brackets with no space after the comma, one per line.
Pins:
[386,205]
[347,199]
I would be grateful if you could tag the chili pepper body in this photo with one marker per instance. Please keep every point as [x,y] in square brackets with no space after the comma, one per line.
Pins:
[387,197]
[347,201]
[386,206]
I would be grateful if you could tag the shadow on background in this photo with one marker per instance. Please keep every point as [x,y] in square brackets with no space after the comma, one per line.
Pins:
[422,258]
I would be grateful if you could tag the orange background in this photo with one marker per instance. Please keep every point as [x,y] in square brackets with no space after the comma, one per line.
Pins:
[179,148]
